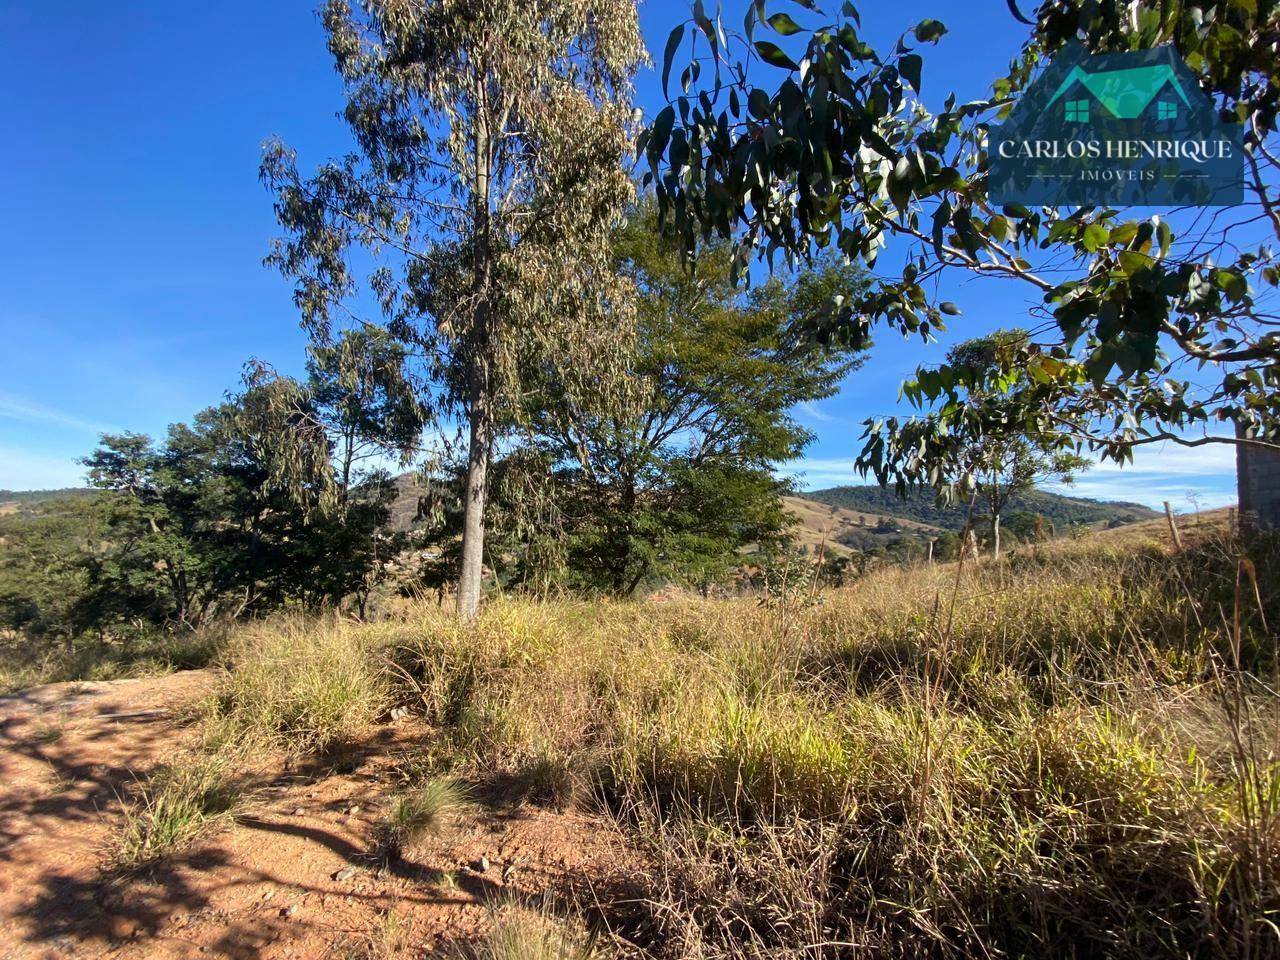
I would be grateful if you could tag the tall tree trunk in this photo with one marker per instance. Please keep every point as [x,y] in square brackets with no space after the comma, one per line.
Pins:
[480,386]
[995,535]
[348,455]
[473,516]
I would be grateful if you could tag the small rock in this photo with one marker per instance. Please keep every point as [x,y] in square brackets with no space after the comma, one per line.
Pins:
[299,812]
[353,810]
[481,865]
[508,872]
[268,895]
[289,911]
[121,928]
[346,873]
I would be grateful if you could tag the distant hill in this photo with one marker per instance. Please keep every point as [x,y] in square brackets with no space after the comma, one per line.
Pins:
[841,528]
[36,496]
[920,508]
[11,501]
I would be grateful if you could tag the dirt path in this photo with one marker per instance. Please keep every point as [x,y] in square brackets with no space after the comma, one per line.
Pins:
[297,875]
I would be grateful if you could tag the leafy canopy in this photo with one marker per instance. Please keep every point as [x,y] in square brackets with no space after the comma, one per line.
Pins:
[793,138]
[671,475]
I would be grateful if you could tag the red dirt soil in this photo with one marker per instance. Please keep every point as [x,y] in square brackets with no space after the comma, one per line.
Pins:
[297,874]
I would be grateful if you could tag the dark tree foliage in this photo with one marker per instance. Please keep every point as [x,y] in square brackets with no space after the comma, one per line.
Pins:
[671,475]
[254,505]
[43,573]
[198,527]
[923,507]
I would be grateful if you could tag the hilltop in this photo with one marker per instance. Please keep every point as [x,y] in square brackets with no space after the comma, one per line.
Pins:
[922,510]
[11,501]
[868,518]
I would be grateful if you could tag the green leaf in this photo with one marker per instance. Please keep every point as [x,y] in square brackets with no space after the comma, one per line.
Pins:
[1095,237]
[668,55]
[783,24]
[1124,233]
[910,66]
[660,132]
[1131,261]
[930,31]
[758,103]
[1231,283]
[772,54]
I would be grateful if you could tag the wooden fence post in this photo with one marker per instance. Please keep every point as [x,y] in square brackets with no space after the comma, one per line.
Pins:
[1173,528]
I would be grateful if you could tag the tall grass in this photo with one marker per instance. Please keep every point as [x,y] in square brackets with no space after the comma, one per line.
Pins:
[304,684]
[25,664]
[1075,756]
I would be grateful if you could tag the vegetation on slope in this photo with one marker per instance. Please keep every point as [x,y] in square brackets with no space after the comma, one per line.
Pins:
[922,507]
[1072,753]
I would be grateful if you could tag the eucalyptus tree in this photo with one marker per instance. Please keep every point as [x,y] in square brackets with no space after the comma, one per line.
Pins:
[488,175]
[993,457]
[790,138]
[366,400]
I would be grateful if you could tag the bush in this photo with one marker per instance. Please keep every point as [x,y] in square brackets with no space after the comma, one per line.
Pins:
[425,808]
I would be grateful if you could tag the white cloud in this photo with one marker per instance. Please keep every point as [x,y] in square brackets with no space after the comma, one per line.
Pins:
[1182,475]
[810,409]
[815,474]
[24,470]
[1212,459]
[1159,472]
[16,408]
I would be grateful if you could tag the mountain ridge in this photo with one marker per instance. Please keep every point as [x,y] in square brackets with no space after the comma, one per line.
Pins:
[921,507]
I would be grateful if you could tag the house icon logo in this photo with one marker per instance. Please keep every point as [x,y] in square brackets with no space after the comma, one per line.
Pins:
[1128,128]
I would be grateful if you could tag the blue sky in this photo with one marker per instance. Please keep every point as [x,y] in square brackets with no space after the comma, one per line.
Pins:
[131,283]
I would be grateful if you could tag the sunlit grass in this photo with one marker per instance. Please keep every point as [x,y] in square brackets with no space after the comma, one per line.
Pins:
[173,807]
[1070,753]
[426,808]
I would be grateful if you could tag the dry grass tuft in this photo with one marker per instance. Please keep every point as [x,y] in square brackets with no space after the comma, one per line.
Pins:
[425,808]
[173,807]
[520,933]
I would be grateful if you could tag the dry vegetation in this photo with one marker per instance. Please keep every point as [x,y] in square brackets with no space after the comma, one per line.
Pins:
[1071,753]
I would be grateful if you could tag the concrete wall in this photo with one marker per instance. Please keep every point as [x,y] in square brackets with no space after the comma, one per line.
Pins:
[1258,476]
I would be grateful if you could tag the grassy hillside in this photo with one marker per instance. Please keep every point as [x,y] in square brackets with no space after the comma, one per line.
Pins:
[841,528]
[921,508]
[1068,754]
[13,501]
